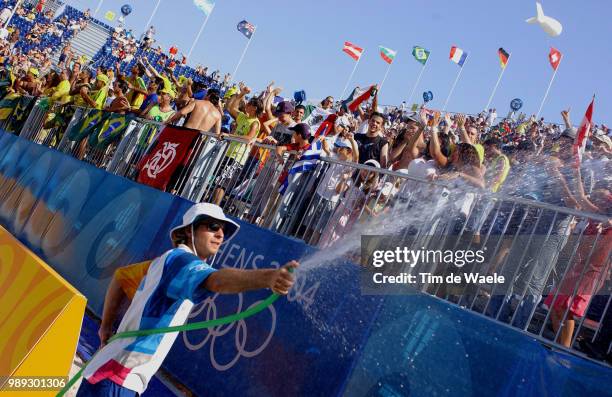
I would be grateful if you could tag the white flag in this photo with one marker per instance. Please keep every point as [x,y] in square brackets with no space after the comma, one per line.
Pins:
[205,5]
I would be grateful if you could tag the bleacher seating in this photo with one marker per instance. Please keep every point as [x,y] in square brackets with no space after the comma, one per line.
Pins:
[101,58]
[53,41]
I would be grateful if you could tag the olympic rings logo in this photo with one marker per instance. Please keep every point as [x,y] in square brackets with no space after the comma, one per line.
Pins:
[299,293]
[240,337]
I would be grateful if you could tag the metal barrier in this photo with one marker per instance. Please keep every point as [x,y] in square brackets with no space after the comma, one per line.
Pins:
[543,250]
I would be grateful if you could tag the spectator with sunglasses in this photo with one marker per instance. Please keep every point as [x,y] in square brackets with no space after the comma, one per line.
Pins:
[168,288]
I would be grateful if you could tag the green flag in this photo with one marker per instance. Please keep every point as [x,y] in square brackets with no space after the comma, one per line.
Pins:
[20,114]
[86,125]
[8,104]
[112,128]
[420,54]
[148,132]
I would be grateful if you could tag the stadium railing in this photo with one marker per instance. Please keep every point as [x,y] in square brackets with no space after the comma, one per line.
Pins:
[544,251]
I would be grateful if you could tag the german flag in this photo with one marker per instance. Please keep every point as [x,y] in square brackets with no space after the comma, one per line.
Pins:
[503,57]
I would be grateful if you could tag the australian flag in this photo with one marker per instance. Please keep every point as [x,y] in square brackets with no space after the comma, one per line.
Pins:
[246,29]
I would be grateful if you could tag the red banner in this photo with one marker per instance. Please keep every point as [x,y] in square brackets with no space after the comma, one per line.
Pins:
[171,150]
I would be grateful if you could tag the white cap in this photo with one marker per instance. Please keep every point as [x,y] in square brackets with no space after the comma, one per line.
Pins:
[343,121]
[389,189]
[207,210]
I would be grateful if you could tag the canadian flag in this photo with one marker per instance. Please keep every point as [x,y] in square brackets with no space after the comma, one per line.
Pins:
[554,57]
[352,50]
[583,133]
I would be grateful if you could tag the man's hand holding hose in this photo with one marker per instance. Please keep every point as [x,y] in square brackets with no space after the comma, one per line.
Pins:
[282,280]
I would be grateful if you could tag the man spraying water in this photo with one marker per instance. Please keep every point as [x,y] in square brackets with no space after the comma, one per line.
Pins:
[174,283]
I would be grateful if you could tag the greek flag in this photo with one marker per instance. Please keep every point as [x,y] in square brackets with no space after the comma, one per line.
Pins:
[306,163]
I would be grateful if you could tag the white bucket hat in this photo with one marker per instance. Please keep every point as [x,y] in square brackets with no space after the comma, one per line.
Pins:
[207,210]
[604,139]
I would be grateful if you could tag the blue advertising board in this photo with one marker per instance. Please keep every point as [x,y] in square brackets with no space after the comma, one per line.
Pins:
[323,339]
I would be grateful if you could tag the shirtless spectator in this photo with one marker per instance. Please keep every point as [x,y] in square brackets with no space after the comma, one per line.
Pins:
[65,56]
[120,104]
[204,115]
[29,85]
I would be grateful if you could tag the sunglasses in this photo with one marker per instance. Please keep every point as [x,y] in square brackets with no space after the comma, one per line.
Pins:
[213,226]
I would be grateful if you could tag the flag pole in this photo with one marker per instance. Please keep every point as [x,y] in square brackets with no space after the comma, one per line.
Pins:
[12,13]
[350,77]
[98,8]
[453,87]
[197,38]
[386,74]
[548,89]
[496,84]
[243,54]
[152,15]
[414,87]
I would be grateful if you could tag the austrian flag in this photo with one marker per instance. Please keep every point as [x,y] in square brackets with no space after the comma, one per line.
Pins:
[352,50]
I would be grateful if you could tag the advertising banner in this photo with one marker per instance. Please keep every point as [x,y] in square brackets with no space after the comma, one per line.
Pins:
[324,339]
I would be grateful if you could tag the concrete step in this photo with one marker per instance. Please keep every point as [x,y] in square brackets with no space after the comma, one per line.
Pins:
[87,42]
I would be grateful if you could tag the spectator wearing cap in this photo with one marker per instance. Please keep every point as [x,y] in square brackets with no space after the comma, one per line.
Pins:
[96,97]
[278,127]
[162,111]
[185,89]
[60,92]
[409,144]
[277,132]
[174,282]
[603,143]
[297,174]
[247,129]
[300,140]
[341,128]
[327,195]
[354,196]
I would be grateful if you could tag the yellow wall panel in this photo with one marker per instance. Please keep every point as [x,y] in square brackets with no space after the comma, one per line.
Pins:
[40,315]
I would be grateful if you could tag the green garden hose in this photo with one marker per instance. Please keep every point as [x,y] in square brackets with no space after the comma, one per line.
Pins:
[187,327]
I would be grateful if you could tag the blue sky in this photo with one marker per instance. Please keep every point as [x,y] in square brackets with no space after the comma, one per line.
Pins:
[298,45]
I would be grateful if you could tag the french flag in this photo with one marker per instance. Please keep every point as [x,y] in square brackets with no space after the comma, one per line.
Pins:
[457,55]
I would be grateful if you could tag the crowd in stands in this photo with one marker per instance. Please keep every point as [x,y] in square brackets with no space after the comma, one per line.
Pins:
[516,155]
[123,47]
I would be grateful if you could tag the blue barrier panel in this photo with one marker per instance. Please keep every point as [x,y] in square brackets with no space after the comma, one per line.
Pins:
[325,338]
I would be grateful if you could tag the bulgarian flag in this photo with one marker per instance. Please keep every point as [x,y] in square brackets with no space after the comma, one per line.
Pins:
[583,133]
[387,54]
